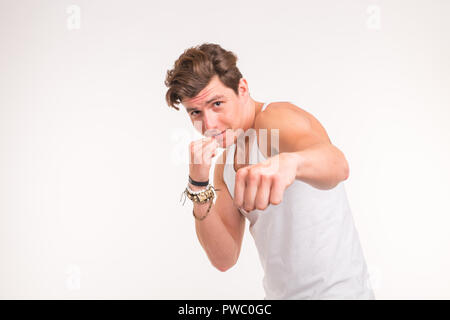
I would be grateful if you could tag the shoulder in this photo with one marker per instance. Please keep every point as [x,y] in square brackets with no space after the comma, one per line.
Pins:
[296,127]
[283,113]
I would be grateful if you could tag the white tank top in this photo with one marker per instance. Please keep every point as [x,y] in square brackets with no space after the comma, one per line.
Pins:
[308,245]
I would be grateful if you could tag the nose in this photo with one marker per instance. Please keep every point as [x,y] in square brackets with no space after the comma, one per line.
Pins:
[210,124]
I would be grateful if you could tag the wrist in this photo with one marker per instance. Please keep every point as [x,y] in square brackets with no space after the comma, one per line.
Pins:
[195,188]
[297,162]
[199,183]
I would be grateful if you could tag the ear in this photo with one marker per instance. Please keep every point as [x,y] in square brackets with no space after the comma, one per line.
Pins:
[243,87]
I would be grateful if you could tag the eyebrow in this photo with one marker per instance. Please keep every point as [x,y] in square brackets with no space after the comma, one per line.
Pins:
[218,96]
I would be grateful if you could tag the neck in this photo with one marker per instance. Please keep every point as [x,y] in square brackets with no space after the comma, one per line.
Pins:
[241,155]
[254,107]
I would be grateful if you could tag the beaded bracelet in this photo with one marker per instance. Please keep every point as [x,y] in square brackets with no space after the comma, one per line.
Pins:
[201,196]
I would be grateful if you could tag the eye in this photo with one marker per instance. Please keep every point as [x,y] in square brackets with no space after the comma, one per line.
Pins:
[217,102]
[193,113]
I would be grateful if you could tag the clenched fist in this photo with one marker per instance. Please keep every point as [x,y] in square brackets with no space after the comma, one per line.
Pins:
[201,153]
[264,183]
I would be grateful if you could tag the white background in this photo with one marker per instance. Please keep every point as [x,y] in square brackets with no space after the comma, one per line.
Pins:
[93,161]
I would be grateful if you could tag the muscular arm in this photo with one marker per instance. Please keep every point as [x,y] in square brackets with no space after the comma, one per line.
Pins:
[303,138]
[321,165]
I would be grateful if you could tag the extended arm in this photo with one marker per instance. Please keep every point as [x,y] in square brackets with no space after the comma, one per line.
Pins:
[304,140]
[321,165]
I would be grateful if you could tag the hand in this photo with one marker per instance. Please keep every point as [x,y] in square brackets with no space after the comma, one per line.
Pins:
[261,184]
[201,153]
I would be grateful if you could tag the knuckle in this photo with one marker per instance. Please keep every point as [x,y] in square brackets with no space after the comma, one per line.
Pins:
[261,206]
[248,208]
[276,176]
[240,174]
[253,175]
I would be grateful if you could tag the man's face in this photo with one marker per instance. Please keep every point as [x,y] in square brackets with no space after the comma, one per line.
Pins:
[215,111]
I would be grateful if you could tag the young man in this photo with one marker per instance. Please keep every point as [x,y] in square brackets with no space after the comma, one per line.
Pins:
[289,188]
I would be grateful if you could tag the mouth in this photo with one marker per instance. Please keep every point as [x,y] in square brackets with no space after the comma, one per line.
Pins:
[220,133]
[220,137]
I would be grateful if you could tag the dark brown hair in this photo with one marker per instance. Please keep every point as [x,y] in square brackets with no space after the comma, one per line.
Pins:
[195,68]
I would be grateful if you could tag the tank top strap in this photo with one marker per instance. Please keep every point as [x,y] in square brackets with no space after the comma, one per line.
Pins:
[254,153]
[264,106]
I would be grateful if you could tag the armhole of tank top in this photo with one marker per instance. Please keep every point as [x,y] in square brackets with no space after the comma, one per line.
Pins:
[230,154]
[228,168]
[255,147]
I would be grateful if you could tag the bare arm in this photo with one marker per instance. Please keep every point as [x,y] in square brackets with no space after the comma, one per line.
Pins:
[302,137]
[322,165]
[221,232]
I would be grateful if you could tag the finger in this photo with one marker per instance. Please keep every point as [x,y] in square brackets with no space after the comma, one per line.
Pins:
[276,191]
[201,143]
[251,187]
[239,187]
[209,152]
[263,194]
[211,143]
[197,154]
[195,148]
[203,151]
